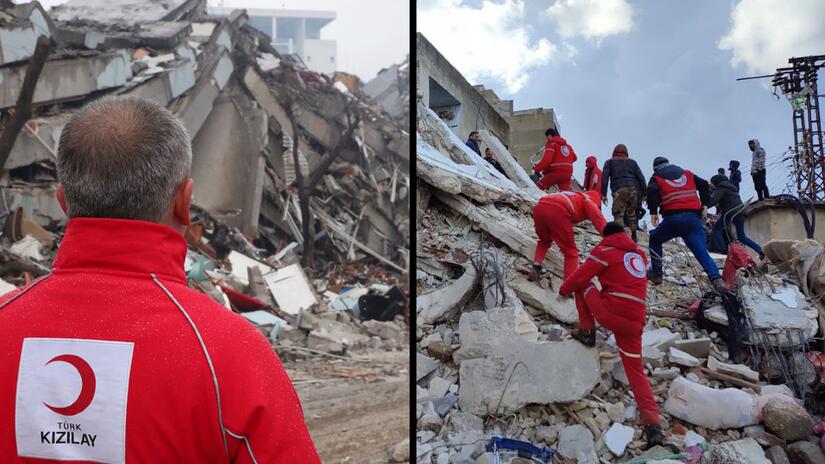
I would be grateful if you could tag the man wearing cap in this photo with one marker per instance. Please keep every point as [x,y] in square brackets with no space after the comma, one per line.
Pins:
[554,217]
[556,166]
[619,307]
[683,199]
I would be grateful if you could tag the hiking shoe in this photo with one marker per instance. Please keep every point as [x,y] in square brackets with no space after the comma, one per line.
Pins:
[586,337]
[654,277]
[653,435]
[534,274]
[720,286]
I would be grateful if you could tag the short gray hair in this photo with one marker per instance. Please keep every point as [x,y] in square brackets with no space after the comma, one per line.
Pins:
[122,157]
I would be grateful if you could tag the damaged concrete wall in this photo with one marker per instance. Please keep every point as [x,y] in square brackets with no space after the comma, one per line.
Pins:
[767,221]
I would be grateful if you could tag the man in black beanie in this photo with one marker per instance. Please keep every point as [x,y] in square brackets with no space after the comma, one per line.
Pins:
[683,198]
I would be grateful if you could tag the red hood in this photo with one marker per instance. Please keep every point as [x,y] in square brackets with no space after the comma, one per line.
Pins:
[558,139]
[590,162]
[621,241]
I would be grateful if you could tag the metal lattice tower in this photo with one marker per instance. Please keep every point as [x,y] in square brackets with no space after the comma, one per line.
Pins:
[798,83]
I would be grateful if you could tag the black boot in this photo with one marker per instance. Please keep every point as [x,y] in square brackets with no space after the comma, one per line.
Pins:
[653,435]
[586,337]
[654,276]
[535,274]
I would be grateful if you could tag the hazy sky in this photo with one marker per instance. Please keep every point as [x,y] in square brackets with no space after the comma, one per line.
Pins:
[371,34]
[658,76]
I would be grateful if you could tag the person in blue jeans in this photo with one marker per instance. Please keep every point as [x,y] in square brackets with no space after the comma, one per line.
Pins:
[725,196]
[683,199]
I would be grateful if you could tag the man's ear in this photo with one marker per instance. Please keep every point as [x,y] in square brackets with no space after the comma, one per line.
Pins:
[61,198]
[183,199]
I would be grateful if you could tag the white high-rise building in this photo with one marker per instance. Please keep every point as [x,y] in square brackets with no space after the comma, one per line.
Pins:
[296,32]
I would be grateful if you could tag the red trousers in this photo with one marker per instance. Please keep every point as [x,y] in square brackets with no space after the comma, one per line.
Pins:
[560,177]
[553,225]
[628,332]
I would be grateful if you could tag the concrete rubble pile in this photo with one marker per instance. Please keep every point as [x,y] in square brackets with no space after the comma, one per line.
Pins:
[494,357]
[250,113]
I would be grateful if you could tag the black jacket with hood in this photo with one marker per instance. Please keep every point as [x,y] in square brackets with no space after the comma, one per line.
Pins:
[735,173]
[671,171]
[725,197]
[621,171]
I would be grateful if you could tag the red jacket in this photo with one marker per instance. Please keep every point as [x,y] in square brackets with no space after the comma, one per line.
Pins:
[558,155]
[680,193]
[622,271]
[592,174]
[112,358]
[577,206]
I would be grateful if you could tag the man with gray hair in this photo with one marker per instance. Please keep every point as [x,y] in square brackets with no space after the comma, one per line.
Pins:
[111,357]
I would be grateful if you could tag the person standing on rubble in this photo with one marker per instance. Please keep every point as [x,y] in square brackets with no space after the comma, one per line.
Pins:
[111,357]
[619,307]
[725,196]
[472,142]
[758,170]
[556,166]
[554,216]
[488,156]
[683,198]
[735,173]
[627,184]
[592,174]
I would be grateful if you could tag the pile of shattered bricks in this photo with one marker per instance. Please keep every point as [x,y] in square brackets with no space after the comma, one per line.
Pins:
[495,361]
[251,113]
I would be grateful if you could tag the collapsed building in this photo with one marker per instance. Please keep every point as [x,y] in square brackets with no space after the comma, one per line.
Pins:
[737,379]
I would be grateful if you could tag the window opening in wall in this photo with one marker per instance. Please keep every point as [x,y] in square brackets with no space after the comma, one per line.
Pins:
[444,104]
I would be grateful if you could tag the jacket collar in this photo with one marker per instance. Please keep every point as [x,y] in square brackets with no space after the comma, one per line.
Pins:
[121,246]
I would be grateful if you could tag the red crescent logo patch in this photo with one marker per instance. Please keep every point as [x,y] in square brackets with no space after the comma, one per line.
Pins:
[634,264]
[680,182]
[87,385]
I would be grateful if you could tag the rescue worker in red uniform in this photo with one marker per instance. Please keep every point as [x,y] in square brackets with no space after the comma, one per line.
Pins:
[110,357]
[620,308]
[592,174]
[556,166]
[554,216]
[683,198]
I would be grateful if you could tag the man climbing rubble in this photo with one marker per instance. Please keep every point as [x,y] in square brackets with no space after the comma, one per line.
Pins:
[554,216]
[620,307]
[683,198]
[592,174]
[556,166]
[627,184]
[725,197]
[164,374]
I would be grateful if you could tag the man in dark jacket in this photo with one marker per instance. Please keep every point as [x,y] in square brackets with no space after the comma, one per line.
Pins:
[472,142]
[725,196]
[683,198]
[488,156]
[735,173]
[627,184]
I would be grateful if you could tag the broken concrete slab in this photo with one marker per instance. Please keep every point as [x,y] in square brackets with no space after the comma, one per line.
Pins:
[241,263]
[617,438]
[508,162]
[492,356]
[291,289]
[763,437]
[432,306]
[123,11]
[561,309]
[660,338]
[805,452]
[736,370]
[696,347]
[18,37]
[424,365]
[735,452]
[681,358]
[576,442]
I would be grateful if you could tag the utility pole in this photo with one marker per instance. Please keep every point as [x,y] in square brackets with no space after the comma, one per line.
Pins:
[798,82]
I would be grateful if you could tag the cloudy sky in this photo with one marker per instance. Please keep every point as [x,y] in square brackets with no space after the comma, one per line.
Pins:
[658,76]
[371,34]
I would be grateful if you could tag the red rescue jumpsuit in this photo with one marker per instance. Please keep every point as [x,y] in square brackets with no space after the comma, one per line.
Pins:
[620,307]
[164,374]
[554,216]
[556,165]
[592,174]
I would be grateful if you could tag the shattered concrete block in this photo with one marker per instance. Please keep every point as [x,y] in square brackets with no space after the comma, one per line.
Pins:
[386,330]
[735,452]
[466,422]
[736,370]
[561,309]
[617,438]
[805,452]
[777,455]
[653,356]
[576,442]
[432,306]
[661,338]
[493,358]
[697,347]
[439,387]
[424,365]
[667,374]
[786,419]
[681,358]
[762,436]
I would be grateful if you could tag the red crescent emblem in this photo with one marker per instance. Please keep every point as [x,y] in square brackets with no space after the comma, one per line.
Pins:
[635,264]
[87,387]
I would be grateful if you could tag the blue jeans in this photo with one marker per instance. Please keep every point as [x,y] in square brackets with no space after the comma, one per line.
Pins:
[689,227]
[739,222]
